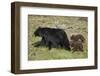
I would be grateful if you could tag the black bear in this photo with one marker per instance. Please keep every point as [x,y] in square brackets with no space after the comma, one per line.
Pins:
[52,37]
[77,37]
[76,45]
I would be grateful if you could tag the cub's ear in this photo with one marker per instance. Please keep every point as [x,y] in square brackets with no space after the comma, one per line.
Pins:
[39,27]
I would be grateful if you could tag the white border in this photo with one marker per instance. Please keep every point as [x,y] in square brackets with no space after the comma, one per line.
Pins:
[25,64]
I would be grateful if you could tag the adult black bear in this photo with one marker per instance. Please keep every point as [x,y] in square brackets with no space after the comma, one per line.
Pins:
[52,37]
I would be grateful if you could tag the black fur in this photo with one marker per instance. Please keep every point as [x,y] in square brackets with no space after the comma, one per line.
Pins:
[52,37]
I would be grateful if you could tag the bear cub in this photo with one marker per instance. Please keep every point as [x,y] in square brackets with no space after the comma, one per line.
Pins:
[76,42]
[76,45]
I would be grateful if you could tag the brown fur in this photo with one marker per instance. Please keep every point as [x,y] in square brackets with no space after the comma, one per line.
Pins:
[77,37]
[76,45]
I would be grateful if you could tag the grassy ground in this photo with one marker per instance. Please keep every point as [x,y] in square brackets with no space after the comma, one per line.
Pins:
[71,25]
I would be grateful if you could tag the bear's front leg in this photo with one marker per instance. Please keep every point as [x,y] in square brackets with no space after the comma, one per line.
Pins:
[49,45]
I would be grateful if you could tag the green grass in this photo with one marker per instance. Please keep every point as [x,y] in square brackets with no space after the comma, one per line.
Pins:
[71,25]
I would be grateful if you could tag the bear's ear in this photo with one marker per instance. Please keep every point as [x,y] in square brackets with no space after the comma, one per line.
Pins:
[39,27]
[73,35]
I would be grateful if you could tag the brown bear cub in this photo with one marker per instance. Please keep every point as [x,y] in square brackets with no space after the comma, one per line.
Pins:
[76,45]
[76,42]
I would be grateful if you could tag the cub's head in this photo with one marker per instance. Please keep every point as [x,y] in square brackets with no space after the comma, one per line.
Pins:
[77,37]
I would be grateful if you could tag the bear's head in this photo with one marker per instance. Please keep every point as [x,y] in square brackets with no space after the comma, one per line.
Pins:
[77,37]
[37,31]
